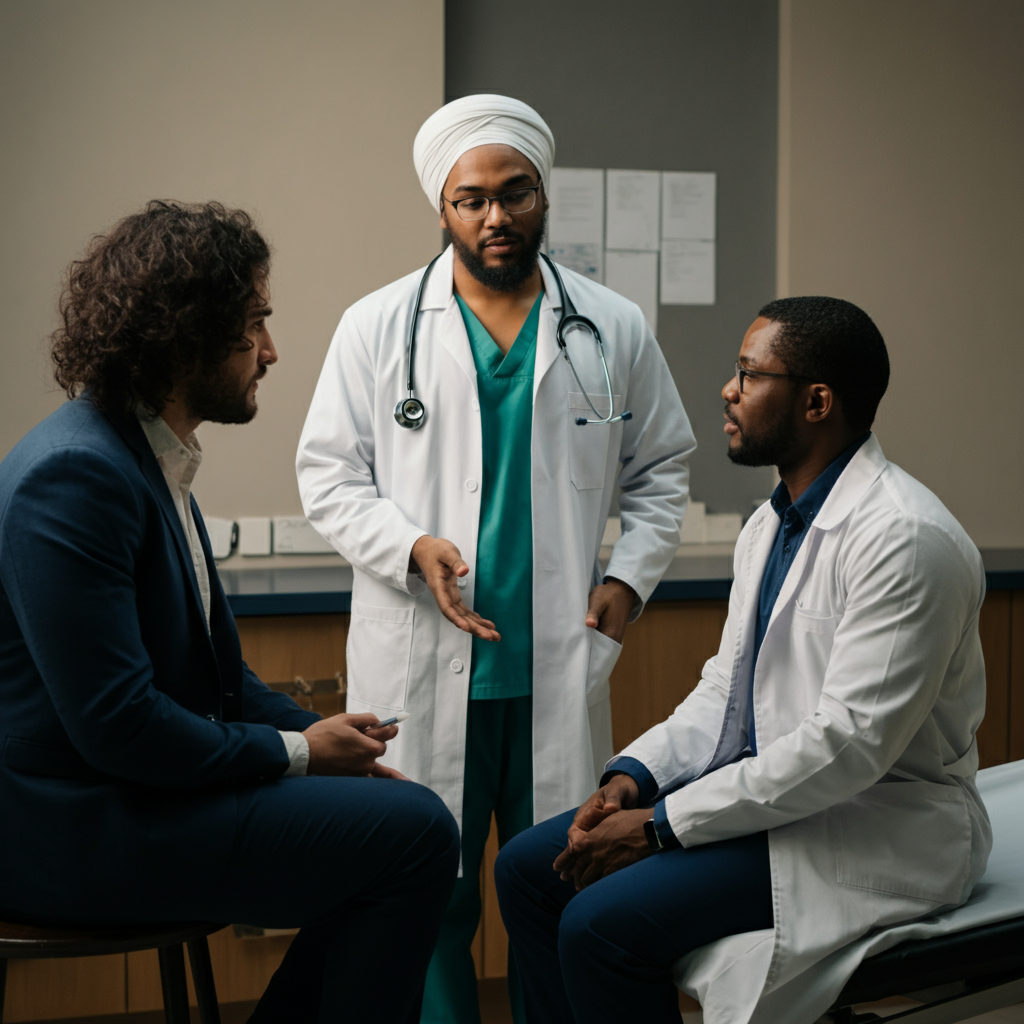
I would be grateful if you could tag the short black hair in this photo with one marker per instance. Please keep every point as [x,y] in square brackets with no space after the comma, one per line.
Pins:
[164,291]
[836,343]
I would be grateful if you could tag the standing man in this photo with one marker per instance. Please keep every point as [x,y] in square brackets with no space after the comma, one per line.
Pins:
[478,603]
[820,780]
[146,774]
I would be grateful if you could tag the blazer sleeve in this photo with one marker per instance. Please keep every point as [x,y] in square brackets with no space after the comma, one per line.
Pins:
[72,534]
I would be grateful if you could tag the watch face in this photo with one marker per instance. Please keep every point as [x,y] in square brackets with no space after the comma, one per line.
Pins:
[653,841]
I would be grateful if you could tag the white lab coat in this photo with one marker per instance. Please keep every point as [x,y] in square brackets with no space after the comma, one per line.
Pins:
[868,689]
[372,488]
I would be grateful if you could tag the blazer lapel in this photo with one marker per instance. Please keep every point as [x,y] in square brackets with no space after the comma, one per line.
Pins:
[129,429]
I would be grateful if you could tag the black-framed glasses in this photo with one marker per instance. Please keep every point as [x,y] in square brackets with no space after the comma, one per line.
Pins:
[519,200]
[742,372]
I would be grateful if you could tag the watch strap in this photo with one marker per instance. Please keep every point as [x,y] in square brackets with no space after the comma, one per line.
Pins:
[653,839]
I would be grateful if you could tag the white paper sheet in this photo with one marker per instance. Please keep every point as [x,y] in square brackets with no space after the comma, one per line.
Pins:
[687,273]
[633,201]
[577,206]
[635,275]
[575,236]
[586,258]
[687,205]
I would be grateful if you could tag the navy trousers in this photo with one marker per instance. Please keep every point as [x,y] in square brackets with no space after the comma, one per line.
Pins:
[364,867]
[606,953]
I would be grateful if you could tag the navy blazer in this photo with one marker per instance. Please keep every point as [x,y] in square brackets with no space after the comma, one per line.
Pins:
[116,704]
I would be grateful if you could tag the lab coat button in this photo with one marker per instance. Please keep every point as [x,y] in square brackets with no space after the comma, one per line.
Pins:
[471,485]
[456,665]
[461,581]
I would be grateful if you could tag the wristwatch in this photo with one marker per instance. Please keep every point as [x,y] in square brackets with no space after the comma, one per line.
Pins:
[653,839]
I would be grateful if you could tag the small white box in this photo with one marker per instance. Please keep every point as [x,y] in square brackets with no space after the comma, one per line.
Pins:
[223,536]
[612,530]
[723,527]
[296,535]
[254,536]
[693,529]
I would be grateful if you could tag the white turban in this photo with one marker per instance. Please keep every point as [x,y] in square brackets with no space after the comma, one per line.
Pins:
[475,121]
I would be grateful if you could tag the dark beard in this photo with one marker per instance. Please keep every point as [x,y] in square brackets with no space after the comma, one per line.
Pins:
[509,276]
[213,397]
[770,447]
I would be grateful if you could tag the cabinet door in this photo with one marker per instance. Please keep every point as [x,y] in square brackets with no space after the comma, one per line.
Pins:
[51,989]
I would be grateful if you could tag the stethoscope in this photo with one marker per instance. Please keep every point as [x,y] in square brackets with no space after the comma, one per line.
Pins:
[412,414]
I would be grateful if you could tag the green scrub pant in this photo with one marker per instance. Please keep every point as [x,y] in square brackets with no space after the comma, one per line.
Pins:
[498,779]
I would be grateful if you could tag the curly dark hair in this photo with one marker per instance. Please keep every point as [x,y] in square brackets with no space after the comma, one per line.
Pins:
[163,293]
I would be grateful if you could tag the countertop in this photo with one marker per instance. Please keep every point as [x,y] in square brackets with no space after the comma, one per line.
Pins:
[323,584]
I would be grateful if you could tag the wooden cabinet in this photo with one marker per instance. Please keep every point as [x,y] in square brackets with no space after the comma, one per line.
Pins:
[660,664]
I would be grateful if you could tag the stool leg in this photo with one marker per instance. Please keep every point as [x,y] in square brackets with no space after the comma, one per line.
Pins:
[172,979]
[3,986]
[202,978]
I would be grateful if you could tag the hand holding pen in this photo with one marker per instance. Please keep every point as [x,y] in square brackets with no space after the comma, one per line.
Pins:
[351,744]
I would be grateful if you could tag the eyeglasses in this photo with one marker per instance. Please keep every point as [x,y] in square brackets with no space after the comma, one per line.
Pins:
[519,200]
[741,373]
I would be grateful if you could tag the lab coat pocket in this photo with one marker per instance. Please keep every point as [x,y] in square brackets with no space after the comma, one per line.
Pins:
[810,621]
[378,654]
[588,445]
[811,639]
[604,652]
[904,838]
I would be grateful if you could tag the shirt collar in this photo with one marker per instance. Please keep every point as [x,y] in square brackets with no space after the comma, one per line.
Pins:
[171,452]
[809,503]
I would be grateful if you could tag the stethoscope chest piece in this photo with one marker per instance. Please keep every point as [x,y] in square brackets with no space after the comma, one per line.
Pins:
[410,413]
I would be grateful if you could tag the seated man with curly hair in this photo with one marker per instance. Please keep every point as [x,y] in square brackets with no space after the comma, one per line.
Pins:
[146,774]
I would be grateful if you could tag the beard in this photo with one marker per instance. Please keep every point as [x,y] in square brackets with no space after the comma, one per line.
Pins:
[510,275]
[768,446]
[220,398]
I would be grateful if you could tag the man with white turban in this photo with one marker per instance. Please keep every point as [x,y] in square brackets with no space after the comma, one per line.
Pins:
[473,515]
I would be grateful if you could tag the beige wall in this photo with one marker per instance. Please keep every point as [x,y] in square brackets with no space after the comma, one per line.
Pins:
[299,111]
[901,189]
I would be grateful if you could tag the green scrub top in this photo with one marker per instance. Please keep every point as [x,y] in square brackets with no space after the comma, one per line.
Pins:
[504,561]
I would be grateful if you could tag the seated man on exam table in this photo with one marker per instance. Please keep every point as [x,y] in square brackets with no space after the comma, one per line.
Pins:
[820,780]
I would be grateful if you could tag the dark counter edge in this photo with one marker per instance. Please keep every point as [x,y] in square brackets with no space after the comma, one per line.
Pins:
[333,602]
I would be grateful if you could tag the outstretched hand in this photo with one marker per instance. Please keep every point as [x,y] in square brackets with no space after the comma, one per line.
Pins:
[441,564]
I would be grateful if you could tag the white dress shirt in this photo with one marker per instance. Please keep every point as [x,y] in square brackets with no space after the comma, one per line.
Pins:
[179,460]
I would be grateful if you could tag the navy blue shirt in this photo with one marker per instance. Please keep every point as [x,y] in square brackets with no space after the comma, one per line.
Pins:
[797,517]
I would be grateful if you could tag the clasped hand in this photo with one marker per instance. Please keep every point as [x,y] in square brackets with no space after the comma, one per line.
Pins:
[606,835]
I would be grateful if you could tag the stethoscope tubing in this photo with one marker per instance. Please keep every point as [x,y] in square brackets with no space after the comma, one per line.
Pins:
[410,411]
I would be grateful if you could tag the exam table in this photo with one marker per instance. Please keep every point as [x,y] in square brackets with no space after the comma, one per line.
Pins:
[963,962]
[957,964]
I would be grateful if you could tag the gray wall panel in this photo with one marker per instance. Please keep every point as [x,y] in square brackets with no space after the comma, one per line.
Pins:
[660,85]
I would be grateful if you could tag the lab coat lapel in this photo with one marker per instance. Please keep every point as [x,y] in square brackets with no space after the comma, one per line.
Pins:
[861,472]
[763,533]
[441,319]
[759,544]
[547,343]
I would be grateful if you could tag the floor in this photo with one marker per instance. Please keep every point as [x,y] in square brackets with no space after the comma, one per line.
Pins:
[494,1009]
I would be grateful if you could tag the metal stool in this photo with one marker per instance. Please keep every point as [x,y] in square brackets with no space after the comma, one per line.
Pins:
[31,942]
